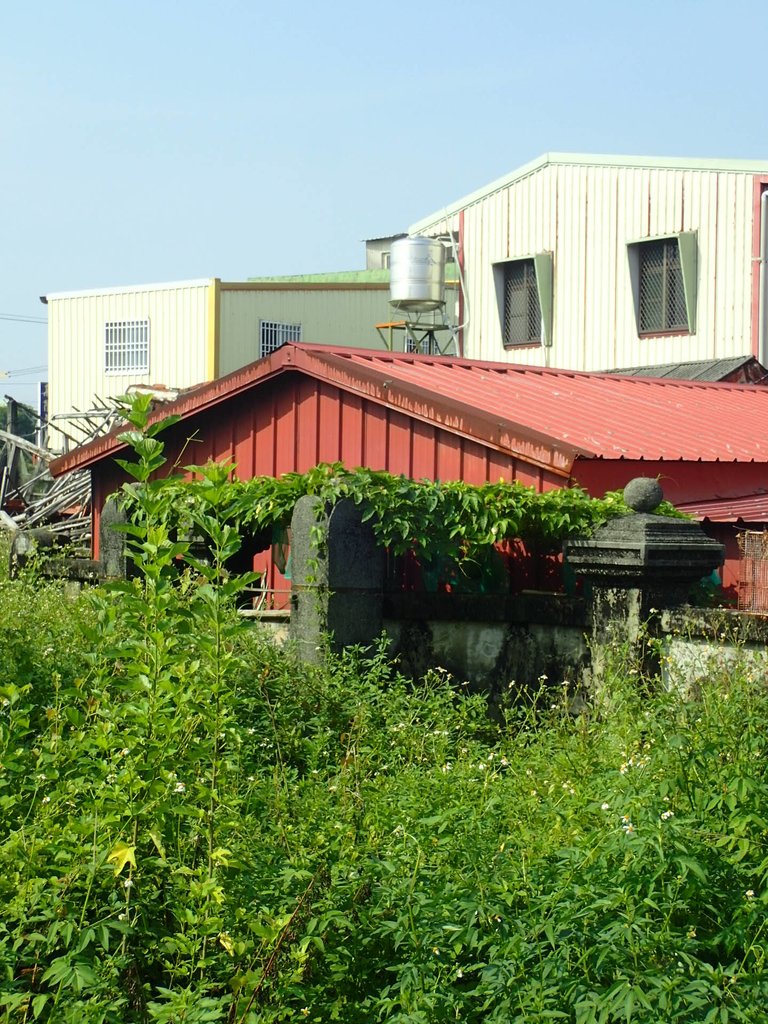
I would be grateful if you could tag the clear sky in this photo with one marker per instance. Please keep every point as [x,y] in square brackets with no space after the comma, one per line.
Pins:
[144,142]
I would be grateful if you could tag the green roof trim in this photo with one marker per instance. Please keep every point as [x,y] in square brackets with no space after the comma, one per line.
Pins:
[378,276]
[334,277]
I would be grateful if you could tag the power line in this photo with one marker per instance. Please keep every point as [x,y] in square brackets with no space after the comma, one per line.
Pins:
[28,369]
[19,318]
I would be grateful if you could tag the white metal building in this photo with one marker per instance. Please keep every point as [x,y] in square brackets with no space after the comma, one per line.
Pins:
[597,262]
[183,333]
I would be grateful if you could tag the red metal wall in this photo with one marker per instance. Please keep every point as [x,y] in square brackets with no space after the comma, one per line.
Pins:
[294,422]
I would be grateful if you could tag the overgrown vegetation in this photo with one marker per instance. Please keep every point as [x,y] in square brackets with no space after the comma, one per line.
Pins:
[423,516]
[195,828]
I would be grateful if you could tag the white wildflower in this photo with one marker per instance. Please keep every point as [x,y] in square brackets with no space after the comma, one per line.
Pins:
[605,807]
[179,788]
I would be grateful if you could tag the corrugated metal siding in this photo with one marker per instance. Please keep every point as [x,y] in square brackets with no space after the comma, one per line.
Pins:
[586,215]
[542,417]
[328,316]
[178,318]
[297,422]
[750,508]
[452,419]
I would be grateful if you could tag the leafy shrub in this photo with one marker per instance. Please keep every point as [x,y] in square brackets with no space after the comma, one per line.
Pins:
[198,828]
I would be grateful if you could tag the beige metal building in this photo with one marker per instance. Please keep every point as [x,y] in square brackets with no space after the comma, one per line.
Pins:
[598,262]
[180,334]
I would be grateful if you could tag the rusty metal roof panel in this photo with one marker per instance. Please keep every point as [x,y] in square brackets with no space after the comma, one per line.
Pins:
[700,369]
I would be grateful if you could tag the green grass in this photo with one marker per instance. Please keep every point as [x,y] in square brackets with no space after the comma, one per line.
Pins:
[197,828]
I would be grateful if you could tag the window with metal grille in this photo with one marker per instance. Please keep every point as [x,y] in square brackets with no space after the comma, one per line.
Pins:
[126,346]
[521,311]
[753,571]
[662,294]
[273,334]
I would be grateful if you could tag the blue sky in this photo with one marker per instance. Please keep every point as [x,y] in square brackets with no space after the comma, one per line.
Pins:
[171,140]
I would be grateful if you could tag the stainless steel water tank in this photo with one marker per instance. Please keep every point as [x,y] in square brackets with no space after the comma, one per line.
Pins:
[417,274]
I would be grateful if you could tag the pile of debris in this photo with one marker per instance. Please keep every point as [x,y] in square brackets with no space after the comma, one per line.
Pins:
[30,498]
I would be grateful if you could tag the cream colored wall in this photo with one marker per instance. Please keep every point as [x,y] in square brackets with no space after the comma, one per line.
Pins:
[178,341]
[328,316]
[586,215]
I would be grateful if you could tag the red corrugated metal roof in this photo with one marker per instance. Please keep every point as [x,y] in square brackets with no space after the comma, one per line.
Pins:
[747,508]
[551,416]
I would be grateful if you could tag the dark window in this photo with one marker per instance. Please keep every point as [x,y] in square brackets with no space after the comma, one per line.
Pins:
[662,296]
[521,314]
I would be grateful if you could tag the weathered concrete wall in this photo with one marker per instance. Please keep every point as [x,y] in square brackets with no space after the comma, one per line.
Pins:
[494,643]
[491,657]
[697,644]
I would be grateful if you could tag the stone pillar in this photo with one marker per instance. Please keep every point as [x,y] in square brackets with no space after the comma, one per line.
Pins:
[26,545]
[337,582]
[636,565]
[112,554]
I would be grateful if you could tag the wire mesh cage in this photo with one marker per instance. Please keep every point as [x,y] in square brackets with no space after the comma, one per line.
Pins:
[753,571]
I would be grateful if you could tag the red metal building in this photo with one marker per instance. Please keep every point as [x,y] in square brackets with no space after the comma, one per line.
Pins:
[444,418]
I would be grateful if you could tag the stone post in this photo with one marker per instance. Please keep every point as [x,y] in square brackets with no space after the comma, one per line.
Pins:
[337,583]
[636,565]
[112,551]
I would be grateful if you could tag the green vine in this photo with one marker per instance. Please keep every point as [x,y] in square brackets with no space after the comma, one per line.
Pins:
[419,515]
